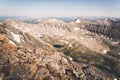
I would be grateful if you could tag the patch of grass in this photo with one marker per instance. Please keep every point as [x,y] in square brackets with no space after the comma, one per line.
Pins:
[78,52]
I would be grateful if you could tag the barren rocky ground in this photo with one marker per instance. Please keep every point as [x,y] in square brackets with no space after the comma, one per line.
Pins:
[52,49]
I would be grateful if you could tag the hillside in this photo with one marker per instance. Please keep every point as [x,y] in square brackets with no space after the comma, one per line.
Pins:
[51,49]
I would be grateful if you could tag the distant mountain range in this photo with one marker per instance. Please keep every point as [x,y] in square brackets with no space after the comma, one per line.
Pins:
[66,19]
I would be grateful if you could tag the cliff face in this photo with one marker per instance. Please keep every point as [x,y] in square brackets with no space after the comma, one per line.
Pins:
[55,50]
[107,27]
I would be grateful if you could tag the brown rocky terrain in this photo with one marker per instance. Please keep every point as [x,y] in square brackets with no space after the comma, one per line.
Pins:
[56,50]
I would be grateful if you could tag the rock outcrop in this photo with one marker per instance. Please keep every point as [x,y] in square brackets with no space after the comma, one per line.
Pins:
[108,27]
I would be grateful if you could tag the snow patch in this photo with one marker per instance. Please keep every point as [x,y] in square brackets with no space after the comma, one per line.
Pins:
[115,43]
[70,45]
[106,19]
[12,42]
[70,58]
[105,51]
[115,78]
[16,37]
[78,21]
[65,61]
[39,35]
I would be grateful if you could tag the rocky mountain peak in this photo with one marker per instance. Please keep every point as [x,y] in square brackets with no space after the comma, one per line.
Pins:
[108,19]
[80,20]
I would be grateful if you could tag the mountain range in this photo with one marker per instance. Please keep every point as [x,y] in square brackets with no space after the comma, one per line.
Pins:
[60,48]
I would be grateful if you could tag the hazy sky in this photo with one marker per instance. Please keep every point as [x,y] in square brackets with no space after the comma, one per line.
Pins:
[44,8]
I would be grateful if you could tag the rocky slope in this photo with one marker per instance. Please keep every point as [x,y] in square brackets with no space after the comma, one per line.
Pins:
[107,27]
[55,50]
